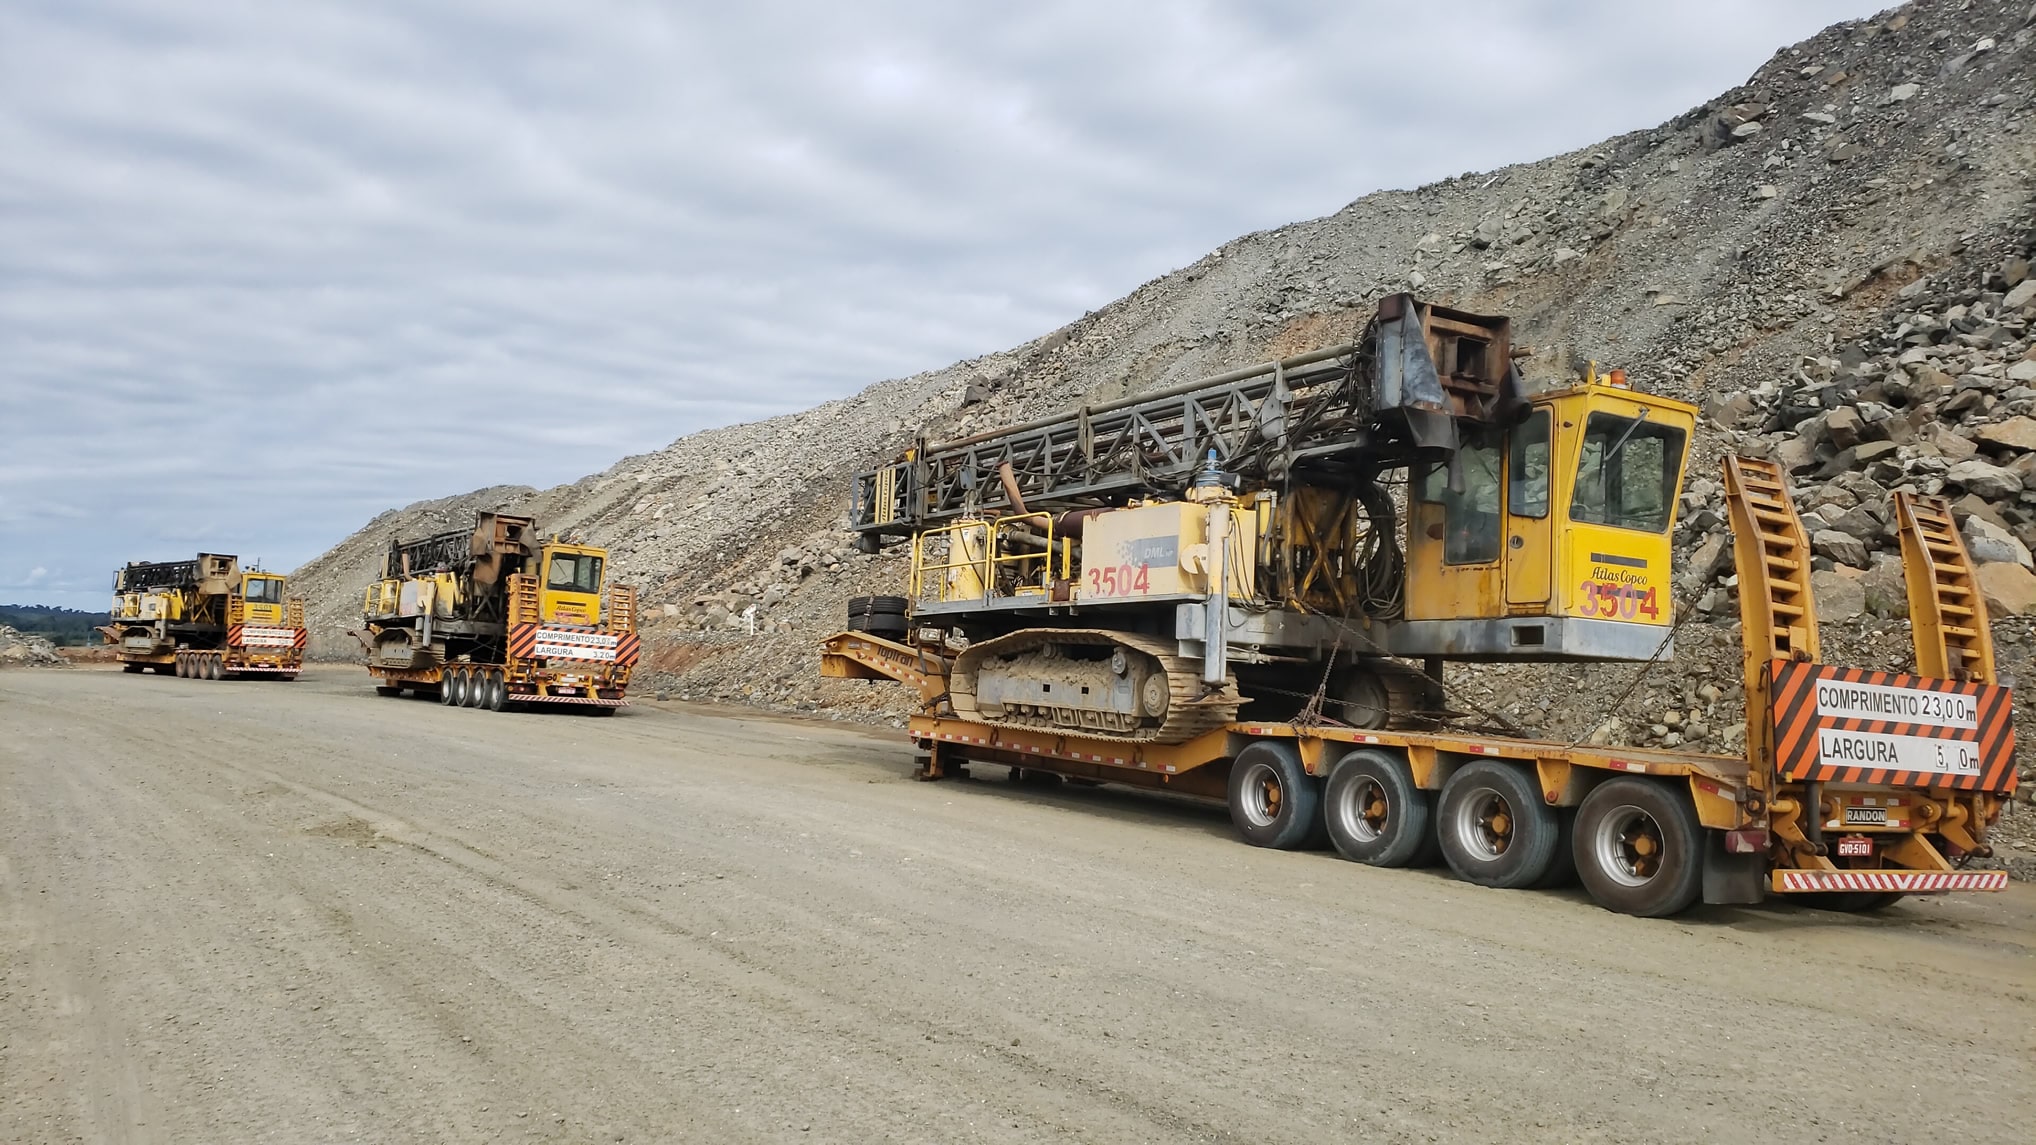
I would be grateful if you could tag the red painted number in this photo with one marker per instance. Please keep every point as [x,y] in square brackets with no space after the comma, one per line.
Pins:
[1123,580]
[1623,601]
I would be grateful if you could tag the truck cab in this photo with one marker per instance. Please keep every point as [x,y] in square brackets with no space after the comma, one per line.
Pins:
[569,588]
[262,597]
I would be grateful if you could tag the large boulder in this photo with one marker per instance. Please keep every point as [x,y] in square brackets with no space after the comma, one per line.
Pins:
[1839,598]
[2010,589]
[1983,479]
[1844,548]
[1990,543]
[2016,433]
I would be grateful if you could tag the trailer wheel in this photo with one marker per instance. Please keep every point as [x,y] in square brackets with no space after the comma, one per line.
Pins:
[445,686]
[474,691]
[215,667]
[178,660]
[1274,802]
[498,691]
[1374,811]
[1639,848]
[1496,829]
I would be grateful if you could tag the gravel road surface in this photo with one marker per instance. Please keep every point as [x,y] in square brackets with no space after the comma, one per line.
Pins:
[300,913]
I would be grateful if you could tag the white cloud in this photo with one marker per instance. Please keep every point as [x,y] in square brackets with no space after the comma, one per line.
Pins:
[266,270]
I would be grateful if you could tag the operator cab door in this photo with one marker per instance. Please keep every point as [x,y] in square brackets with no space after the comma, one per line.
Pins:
[1530,527]
[1456,536]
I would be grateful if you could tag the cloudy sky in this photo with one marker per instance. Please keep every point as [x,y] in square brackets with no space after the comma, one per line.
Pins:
[268,268]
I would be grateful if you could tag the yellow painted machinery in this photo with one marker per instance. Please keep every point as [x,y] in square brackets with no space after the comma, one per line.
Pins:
[493,617]
[205,619]
[1856,789]
[1326,530]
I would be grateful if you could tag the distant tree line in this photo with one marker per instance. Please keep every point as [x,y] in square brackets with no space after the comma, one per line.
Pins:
[63,627]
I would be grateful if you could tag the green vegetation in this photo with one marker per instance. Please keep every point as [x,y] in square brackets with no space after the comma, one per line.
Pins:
[63,627]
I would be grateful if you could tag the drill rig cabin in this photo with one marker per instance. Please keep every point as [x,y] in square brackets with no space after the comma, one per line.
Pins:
[1150,568]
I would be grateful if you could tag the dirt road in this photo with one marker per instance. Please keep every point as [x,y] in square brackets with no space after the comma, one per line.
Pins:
[299,913]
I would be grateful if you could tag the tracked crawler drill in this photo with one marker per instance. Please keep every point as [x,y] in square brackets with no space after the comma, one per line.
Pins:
[206,619]
[1288,534]
[493,616]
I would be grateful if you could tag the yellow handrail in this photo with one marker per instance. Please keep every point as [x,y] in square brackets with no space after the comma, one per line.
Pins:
[967,567]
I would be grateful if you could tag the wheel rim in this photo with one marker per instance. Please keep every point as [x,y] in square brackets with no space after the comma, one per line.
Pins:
[1263,795]
[1364,810]
[1628,845]
[1485,826]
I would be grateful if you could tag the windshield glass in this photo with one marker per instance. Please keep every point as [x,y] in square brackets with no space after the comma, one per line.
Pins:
[573,572]
[264,590]
[1626,477]
[1470,515]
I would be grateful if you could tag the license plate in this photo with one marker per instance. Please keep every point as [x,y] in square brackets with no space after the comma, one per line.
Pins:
[1855,847]
[565,691]
[1865,816]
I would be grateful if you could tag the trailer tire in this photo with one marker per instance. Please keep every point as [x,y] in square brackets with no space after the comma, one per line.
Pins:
[445,693]
[498,691]
[476,691]
[1562,870]
[1495,828]
[177,659]
[1639,848]
[1374,812]
[215,667]
[1274,802]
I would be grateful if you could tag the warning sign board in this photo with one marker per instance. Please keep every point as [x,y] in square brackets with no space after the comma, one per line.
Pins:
[1849,725]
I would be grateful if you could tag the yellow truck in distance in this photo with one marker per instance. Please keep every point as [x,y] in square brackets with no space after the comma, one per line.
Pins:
[492,617]
[205,619]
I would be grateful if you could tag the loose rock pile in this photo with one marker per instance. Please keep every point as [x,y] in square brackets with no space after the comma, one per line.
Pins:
[22,650]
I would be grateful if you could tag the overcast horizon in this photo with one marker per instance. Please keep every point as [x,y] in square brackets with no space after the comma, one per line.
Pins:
[269,270]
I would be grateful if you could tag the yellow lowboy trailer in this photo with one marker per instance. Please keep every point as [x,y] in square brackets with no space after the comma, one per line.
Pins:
[205,619]
[493,617]
[1857,788]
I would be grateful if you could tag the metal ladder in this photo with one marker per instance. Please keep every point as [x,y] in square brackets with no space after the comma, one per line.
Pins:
[1778,618]
[621,608]
[522,599]
[1947,615]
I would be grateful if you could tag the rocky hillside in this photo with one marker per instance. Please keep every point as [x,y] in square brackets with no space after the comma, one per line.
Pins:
[1831,257]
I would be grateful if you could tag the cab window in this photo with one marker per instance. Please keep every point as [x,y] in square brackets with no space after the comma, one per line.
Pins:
[265,590]
[1470,515]
[573,572]
[1626,476]
[1527,473]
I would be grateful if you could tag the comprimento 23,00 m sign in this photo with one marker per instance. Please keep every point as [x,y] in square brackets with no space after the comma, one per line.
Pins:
[1851,725]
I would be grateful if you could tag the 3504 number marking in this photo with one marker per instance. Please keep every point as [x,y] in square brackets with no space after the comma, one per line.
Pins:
[1611,600]
[1120,580]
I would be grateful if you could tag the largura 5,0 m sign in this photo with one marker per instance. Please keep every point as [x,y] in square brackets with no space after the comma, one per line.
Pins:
[1853,726]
